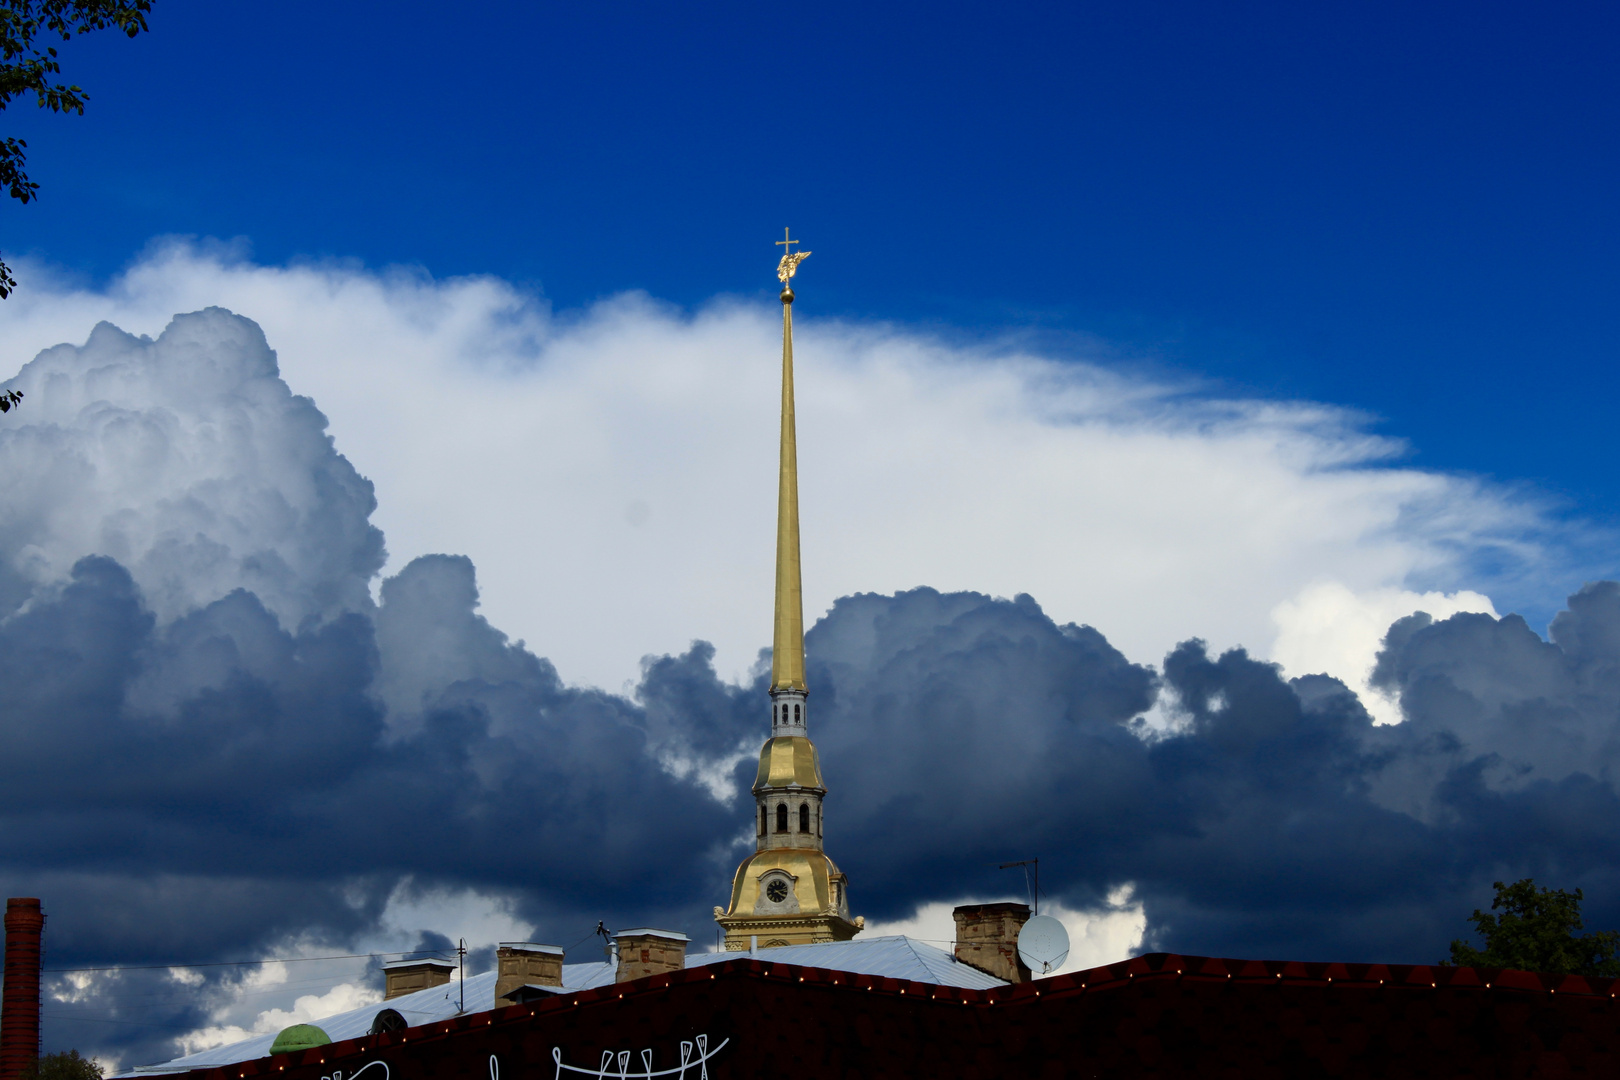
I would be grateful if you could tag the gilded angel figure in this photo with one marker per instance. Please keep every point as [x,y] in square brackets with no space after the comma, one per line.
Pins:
[790,265]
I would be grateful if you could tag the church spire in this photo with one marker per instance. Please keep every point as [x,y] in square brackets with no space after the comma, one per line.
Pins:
[787,649]
[788,892]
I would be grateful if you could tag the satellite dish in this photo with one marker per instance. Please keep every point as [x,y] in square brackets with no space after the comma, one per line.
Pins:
[1043,945]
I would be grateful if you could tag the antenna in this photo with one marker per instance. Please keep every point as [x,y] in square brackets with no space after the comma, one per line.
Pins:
[461,956]
[1033,889]
[606,935]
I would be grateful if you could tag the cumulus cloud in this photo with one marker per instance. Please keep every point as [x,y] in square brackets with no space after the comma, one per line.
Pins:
[266,805]
[306,1008]
[1327,628]
[214,773]
[1498,708]
[611,472]
[244,741]
[1099,936]
[188,460]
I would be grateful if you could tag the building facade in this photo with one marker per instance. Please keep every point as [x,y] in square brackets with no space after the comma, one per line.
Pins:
[1160,1015]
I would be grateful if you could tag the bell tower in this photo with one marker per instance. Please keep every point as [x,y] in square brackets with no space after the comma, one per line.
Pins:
[788,892]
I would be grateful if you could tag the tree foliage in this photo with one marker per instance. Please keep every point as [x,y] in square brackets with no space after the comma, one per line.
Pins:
[67,1065]
[29,65]
[1537,932]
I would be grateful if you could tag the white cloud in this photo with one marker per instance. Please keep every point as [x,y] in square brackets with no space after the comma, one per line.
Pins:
[76,986]
[306,1009]
[1104,936]
[483,920]
[312,1007]
[1329,628]
[612,474]
[187,460]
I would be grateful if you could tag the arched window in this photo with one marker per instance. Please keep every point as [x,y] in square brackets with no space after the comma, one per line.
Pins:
[804,817]
[781,817]
[762,821]
[796,719]
[387,1020]
[818,821]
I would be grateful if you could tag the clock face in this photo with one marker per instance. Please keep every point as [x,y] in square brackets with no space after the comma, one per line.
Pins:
[776,891]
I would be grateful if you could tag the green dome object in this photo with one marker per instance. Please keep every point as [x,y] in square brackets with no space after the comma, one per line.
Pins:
[299,1037]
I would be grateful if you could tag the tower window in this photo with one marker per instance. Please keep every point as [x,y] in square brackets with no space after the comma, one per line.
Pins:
[804,817]
[818,821]
[781,817]
[762,821]
[796,719]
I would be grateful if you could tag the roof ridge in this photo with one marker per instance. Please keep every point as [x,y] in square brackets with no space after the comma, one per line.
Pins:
[912,945]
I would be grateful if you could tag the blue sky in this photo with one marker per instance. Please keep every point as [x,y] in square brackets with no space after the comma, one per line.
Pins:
[1402,209]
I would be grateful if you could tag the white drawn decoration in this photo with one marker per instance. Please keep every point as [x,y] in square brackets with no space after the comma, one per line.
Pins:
[606,1071]
[617,1066]
[337,1074]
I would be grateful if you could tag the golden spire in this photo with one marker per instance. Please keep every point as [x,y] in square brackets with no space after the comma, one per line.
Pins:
[788,892]
[787,649]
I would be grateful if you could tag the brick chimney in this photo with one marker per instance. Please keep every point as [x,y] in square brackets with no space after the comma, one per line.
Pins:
[409,976]
[987,938]
[523,963]
[19,1009]
[649,952]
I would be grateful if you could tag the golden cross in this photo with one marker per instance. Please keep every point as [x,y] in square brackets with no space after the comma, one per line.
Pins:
[789,264]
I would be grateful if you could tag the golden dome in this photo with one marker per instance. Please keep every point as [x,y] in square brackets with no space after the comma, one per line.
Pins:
[789,759]
[812,874]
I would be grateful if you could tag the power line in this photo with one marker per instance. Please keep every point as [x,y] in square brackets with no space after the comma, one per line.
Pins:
[238,963]
[101,1020]
[130,998]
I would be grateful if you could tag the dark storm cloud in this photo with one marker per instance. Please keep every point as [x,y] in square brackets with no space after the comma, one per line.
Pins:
[983,732]
[957,731]
[1274,819]
[278,766]
[217,745]
[263,798]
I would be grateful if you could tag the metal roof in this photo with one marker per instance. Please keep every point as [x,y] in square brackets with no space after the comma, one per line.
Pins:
[897,957]
[888,957]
